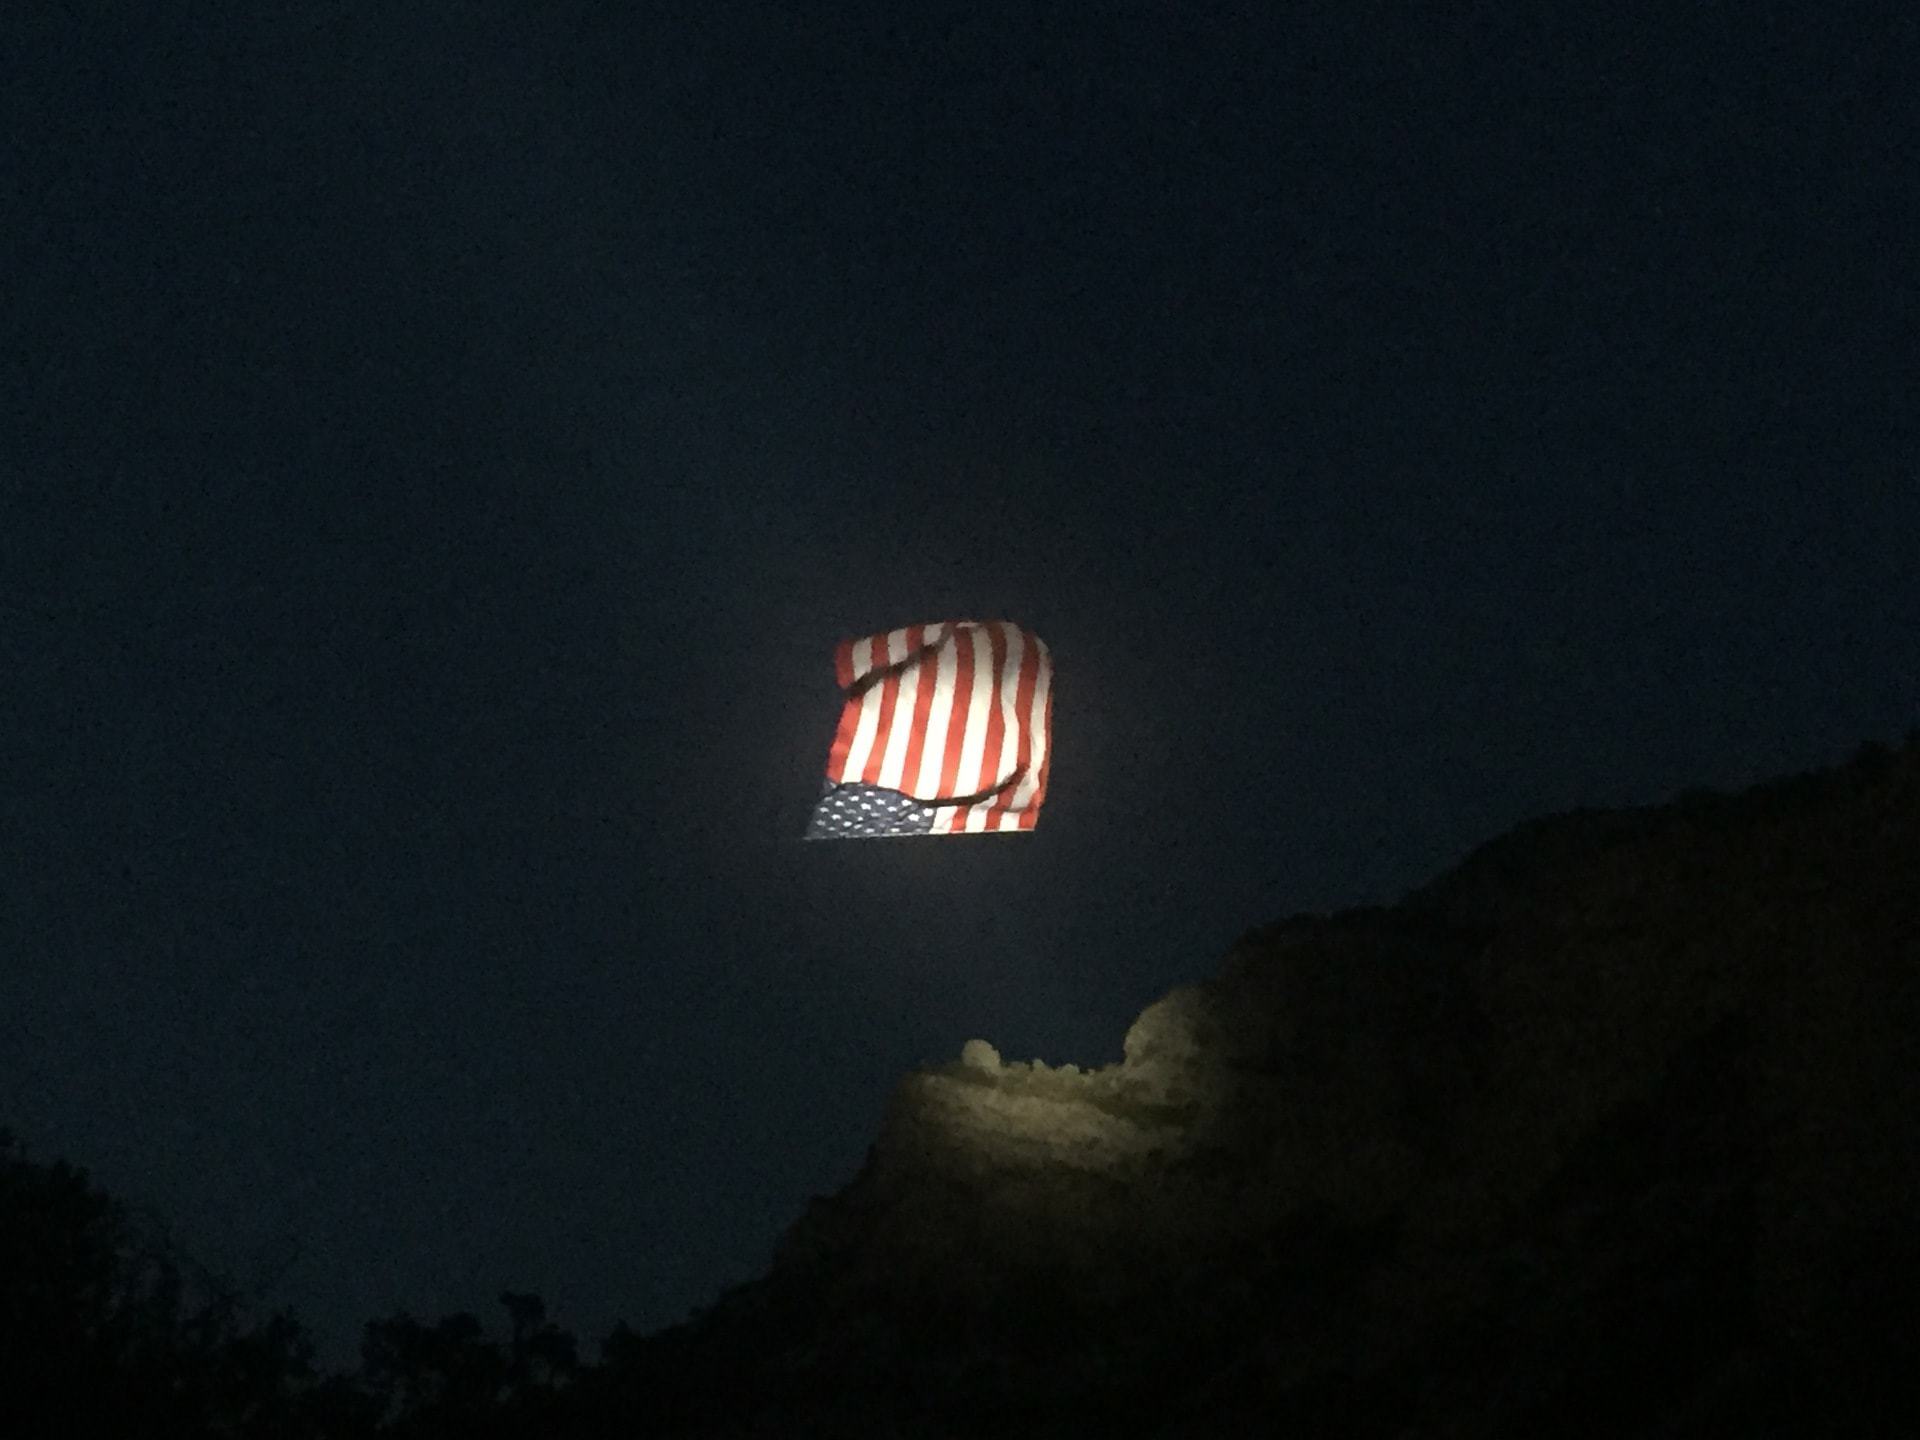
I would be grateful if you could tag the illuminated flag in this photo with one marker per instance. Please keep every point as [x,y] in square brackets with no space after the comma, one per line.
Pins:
[944,732]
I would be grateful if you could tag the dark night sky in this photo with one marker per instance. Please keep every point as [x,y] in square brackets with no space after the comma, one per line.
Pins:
[437,456]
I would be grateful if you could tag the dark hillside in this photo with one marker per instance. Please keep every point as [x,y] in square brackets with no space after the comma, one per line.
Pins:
[1607,1131]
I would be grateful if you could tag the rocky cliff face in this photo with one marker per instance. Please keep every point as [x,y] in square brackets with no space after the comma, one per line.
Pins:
[1608,1131]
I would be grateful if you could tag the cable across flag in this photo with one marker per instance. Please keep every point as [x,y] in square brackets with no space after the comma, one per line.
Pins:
[944,732]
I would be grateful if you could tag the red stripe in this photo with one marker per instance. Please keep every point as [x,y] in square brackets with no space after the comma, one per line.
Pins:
[996,722]
[849,715]
[889,702]
[1046,762]
[843,741]
[1023,684]
[962,699]
[928,669]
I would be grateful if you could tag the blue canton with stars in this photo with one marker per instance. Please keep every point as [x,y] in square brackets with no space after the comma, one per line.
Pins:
[867,812]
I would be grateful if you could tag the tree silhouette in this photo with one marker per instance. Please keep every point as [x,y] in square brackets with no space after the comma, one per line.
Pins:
[107,1327]
[450,1379]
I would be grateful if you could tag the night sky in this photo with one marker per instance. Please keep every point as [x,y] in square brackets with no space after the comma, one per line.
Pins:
[439,451]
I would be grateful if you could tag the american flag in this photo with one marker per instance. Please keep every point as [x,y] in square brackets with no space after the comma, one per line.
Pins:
[944,732]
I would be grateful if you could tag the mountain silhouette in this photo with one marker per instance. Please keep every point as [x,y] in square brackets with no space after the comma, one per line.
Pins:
[1607,1131]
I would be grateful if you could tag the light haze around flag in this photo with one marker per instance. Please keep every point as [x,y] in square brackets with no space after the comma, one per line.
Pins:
[944,731]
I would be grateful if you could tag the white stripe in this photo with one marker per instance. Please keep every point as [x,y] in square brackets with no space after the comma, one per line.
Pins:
[976,816]
[933,758]
[1042,696]
[1010,717]
[1036,727]
[901,732]
[869,722]
[973,735]
[1007,691]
